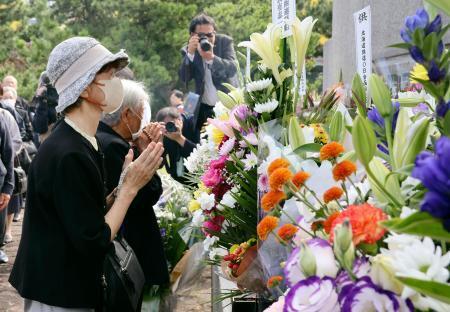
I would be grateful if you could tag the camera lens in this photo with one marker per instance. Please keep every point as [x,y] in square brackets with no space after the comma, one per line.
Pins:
[205,45]
[170,127]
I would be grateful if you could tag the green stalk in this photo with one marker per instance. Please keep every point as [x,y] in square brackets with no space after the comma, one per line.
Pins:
[382,188]
[388,127]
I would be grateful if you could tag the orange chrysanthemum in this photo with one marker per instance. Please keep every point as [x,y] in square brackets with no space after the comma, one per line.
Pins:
[329,222]
[266,226]
[287,231]
[331,194]
[277,163]
[271,199]
[300,178]
[331,150]
[274,281]
[279,177]
[364,221]
[343,170]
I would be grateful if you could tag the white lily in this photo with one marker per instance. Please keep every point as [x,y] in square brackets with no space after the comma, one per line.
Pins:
[301,34]
[266,45]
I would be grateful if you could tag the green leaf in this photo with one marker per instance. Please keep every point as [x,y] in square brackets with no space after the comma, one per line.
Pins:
[419,223]
[295,134]
[337,127]
[403,171]
[430,46]
[364,140]
[439,291]
[392,185]
[447,124]
[371,249]
[410,102]
[402,45]
[310,147]
[443,5]
[381,96]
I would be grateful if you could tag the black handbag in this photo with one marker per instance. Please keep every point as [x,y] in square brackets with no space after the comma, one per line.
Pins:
[123,278]
[20,178]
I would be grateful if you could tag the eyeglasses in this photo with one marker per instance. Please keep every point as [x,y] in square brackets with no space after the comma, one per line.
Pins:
[209,35]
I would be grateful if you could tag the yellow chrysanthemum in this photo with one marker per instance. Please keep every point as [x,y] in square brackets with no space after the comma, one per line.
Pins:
[418,72]
[193,205]
[15,25]
[320,134]
[217,135]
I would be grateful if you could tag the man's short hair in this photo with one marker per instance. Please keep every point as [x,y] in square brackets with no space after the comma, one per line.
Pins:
[171,112]
[177,93]
[201,19]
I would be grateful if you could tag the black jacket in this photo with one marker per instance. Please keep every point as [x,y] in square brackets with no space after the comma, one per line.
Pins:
[6,158]
[23,121]
[64,235]
[223,67]
[174,153]
[140,227]
[45,114]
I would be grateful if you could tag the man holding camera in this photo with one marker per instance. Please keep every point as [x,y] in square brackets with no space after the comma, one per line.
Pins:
[210,60]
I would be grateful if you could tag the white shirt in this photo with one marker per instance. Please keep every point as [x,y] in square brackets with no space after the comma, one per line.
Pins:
[91,139]
[209,95]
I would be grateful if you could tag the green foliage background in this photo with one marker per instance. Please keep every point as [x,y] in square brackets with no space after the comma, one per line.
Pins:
[151,31]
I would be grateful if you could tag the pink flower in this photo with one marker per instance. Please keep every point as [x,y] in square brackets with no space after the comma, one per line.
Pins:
[263,183]
[224,126]
[213,225]
[213,175]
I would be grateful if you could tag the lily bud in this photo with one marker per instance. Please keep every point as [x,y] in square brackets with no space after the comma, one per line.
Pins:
[307,260]
[364,140]
[381,96]
[337,127]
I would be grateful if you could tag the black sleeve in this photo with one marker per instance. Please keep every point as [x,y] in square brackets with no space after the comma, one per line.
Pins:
[224,66]
[187,148]
[7,155]
[186,71]
[114,158]
[40,119]
[75,192]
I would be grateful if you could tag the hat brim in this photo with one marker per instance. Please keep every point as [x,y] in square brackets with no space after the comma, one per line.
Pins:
[71,94]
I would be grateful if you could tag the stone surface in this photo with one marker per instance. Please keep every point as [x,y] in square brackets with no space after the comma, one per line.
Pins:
[10,301]
[387,19]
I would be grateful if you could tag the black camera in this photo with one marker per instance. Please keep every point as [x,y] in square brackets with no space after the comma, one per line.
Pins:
[205,45]
[51,95]
[170,127]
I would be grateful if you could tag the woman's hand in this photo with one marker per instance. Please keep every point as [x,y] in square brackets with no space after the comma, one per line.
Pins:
[143,168]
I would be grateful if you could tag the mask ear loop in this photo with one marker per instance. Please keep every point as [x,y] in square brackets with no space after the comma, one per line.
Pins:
[93,101]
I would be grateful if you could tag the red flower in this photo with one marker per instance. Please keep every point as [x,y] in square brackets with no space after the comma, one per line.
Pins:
[364,221]
[343,170]
[274,281]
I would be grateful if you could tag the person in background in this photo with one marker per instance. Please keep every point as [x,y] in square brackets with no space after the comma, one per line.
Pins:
[176,99]
[68,229]
[6,177]
[177,145]
[45,101]
[11,81]
[210,60]
[117,133]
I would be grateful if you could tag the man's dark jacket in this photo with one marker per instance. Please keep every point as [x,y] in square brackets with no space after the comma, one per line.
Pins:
[223,68]
[140,227]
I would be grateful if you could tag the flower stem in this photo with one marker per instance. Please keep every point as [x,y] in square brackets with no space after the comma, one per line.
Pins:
[388,124]
[296,224]
[357,190]
[346,193]
[382,188]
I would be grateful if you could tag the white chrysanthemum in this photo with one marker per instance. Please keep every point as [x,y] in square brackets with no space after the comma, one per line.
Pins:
[201,155]
[267,107]
[228,200]
[259,85]
[206,201]
[250,161]
[421,259]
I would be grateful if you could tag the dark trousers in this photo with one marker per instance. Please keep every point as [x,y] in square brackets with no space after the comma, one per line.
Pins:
[206,111]
[3,215]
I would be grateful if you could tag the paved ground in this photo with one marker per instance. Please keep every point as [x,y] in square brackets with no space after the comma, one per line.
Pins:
[10,301]
[196,299]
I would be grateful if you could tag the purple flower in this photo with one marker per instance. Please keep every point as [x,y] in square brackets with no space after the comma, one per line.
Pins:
[440,48]
[417,54]
[312,294]
[420,20]
[420,108]
[434,172]
[442,108]
[364,295]
[405,35]
[435,25]
[435,73]
[361,268]
[375,116]
[163,232]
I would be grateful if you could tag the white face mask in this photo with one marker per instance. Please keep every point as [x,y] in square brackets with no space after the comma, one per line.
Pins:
[113,91]
[9,103]
[135,135]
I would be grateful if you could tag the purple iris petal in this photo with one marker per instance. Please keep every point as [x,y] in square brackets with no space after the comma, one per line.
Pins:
[429,171]
[440,48]
[436,204]
[420,108]
[442,108]
[443,153]
[435,25]
[416,54]
[405,35]
[375,116]
[422,18]
[435,73]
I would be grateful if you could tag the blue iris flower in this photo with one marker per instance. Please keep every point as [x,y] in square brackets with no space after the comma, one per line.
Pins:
[435,73]
[442,109]
[435,25]
[420,20]
[434,172]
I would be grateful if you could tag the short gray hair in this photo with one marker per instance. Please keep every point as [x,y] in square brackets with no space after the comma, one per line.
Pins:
[134,97]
